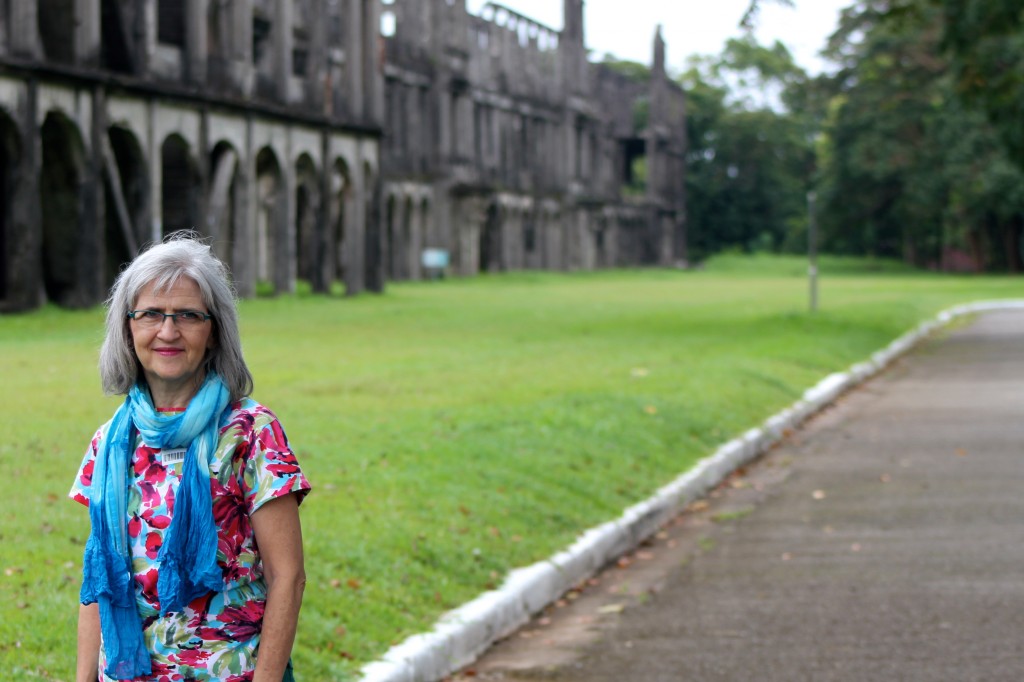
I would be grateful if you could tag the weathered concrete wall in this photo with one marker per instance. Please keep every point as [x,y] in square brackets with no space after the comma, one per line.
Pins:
[308,146]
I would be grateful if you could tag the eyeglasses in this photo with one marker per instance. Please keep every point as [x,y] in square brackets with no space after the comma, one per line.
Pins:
[185,319]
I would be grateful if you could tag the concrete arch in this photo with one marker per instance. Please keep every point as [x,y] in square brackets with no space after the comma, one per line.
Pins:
[11,155]
[340,215]
[63,210]
[127,193]
[308,229]
[305,142]
[180,187]
[271,222]
[225,209]
[174,120]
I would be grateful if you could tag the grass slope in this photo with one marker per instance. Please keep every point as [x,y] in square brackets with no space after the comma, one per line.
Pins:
[453,430]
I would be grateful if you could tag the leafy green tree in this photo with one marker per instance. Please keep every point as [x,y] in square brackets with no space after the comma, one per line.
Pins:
[750,159]
[986,41]
[909,170]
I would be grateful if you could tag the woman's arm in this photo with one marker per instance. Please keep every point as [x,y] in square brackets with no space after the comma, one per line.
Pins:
[279,538]
[88,643]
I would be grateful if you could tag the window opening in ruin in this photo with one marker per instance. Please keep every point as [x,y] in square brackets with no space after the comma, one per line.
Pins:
[116,51]
[61,203]
[300,59]
[56,22]
[261,28]
[388,24]
[335,24]
[170,22]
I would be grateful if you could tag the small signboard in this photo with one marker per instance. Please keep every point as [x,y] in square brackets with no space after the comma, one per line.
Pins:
[435,262]
[435,258]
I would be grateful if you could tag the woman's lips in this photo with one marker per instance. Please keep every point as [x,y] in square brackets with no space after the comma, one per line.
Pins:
[167,352]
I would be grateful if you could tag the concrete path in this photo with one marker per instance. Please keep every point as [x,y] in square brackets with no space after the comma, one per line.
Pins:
[882,542]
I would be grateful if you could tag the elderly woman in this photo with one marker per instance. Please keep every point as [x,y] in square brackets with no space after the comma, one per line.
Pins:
[193,569]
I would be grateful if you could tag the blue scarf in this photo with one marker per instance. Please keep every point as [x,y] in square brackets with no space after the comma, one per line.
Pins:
[188,557]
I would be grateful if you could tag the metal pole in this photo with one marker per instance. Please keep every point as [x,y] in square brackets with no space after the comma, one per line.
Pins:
[812,249]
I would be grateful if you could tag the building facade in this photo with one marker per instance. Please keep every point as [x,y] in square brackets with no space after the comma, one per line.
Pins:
[323,140]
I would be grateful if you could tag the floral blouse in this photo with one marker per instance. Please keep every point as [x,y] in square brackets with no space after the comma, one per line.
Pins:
[217,635]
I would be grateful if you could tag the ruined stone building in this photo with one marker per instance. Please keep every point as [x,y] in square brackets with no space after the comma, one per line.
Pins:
[323,140]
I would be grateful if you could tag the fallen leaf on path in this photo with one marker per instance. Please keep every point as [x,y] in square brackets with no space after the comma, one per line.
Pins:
[611,608]
[885,478]
[960,452]
[818,494]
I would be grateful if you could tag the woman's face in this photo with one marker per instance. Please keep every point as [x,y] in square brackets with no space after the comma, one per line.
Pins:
[172,353]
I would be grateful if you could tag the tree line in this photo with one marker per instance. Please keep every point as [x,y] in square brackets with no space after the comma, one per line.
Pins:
[914,145]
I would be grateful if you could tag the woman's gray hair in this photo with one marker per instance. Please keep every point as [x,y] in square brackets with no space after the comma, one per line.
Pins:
[180,255]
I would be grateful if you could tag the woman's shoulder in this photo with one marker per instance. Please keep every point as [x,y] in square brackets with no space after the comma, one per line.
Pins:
[250,415]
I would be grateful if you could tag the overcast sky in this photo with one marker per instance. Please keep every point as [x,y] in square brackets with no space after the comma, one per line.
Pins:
[625,28]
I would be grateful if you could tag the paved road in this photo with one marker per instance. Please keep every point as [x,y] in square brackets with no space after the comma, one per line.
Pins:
[883,542]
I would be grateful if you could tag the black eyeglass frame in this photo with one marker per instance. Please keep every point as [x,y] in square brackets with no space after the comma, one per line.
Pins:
[176,317]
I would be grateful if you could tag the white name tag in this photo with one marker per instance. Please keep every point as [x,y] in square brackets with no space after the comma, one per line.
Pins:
[173,455]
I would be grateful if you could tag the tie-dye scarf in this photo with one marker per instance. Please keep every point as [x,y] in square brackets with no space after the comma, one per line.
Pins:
[188,557]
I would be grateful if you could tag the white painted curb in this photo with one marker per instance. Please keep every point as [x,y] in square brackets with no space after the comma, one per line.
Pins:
[460,636]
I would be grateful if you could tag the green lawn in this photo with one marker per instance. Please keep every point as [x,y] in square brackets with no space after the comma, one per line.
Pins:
[452,430]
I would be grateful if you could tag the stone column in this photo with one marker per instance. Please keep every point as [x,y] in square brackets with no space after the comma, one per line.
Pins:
[87,32]
[23,31]
[283,39]
[24,238]
[195,53]
[316,58]
[355,232]
[354,58]
[147,38]
[285,268]
[373,79]
[246,195]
